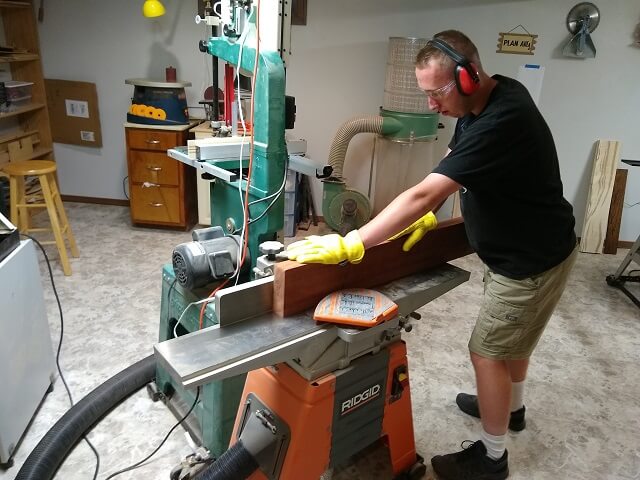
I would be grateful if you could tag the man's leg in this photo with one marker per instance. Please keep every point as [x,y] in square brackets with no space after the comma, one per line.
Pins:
[494,400]
[494,393]
[512,318]
[518,371]
[487,458]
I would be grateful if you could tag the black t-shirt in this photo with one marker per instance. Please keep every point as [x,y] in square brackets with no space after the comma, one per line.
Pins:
[514,211]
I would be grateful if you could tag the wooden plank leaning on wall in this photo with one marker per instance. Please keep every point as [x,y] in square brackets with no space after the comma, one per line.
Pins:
[615,212]
[299,287]
[594,229]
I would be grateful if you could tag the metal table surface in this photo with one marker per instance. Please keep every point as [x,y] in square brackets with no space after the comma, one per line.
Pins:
[266,339]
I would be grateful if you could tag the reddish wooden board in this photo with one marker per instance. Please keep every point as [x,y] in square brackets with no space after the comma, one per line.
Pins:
[299,287]
[615,212]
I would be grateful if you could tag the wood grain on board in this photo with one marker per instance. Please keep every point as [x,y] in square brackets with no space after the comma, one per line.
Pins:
[594,229]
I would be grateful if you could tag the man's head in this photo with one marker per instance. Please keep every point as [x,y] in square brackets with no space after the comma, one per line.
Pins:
[448,70]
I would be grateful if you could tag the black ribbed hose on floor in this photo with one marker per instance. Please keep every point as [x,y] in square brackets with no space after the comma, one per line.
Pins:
[234,464]
[43,462]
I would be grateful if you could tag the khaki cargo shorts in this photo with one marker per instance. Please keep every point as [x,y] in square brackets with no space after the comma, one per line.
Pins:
[514,313]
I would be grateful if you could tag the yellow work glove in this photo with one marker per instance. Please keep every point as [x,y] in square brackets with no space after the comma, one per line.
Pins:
[417,230]
[328,249]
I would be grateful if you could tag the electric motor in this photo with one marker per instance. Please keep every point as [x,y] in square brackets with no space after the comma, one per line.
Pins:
[209,257]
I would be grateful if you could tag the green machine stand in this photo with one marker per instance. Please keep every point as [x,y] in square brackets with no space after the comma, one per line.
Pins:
[214,415]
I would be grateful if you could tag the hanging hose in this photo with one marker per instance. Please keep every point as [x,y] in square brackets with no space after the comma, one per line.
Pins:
[344,135]
[237,463]
[43,462]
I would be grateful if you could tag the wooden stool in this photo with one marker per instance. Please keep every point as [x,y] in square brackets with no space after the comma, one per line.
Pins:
[21,202]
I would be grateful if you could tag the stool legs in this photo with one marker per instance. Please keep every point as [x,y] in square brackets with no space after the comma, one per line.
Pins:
[55,223]
[19,213]
[66,227]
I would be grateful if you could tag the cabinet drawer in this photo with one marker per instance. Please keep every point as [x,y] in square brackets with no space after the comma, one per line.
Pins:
[155,204]
[154,167]
[143,139]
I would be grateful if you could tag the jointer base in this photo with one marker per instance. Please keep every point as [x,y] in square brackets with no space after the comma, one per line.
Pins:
[322,423]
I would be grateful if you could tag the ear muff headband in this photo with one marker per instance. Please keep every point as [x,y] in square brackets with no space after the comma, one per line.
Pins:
[465,74]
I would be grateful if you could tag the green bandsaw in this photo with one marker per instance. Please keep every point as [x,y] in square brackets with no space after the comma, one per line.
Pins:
[214,415]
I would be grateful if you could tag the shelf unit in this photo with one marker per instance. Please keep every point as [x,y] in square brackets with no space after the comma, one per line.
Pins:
[27,125]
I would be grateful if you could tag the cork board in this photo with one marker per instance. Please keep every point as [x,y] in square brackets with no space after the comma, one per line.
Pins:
[73,110]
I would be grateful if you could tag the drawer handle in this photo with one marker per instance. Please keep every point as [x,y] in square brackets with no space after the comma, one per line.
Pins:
[153,142]
[156,204]
[154,169]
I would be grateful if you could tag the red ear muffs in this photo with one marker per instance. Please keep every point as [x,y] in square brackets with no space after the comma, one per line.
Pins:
[466,82]
[465,72]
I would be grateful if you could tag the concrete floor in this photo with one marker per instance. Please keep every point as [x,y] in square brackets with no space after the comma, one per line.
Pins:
[582,394]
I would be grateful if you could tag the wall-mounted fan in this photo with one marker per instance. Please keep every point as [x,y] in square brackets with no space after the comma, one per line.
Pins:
[582,20]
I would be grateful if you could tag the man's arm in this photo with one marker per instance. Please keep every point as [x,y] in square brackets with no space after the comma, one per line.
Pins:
[407,208]
[439,206]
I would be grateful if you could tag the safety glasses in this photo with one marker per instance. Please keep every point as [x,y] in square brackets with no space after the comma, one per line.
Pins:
[440,92]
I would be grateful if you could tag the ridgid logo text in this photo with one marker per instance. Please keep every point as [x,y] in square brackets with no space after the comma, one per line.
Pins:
[360,399]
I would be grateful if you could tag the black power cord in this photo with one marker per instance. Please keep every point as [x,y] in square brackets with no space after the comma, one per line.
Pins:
[124,188]
[137,464]
[58,350]
[66,386]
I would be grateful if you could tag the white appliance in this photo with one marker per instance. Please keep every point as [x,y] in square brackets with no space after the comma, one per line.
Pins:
[27,365]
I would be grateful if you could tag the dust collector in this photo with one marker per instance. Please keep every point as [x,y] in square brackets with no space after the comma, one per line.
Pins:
[403,146]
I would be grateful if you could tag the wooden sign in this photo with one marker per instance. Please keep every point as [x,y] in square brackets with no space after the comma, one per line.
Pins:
[518,43]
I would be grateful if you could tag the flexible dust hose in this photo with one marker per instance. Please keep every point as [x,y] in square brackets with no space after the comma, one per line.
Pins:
[43,462]
[237,463]
[343,136]
[258,439]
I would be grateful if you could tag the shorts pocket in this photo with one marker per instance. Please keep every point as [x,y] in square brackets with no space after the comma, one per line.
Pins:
[503,325]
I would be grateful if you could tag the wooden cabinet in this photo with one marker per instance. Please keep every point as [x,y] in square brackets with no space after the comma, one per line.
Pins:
[26,133]
[162,190]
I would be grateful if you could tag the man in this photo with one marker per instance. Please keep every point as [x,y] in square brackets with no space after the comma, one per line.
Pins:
[503,160]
